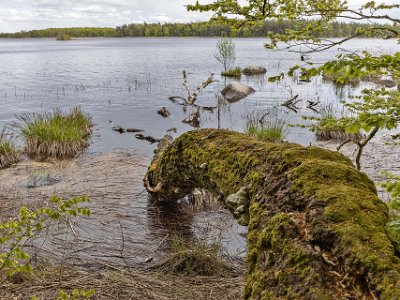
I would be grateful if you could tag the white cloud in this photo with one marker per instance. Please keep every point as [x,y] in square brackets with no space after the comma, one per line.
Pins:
[19,15]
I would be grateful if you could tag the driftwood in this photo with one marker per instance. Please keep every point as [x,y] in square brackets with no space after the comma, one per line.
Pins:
[164,112]
[316,228]
[291,103]
[192,96]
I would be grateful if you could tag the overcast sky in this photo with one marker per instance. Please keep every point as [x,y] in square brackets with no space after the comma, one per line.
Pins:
[16,15]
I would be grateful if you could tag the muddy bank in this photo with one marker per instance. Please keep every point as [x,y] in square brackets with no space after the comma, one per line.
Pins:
[123,285]
[125,228]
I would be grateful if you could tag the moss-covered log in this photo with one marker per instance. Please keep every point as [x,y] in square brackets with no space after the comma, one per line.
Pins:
[316,228]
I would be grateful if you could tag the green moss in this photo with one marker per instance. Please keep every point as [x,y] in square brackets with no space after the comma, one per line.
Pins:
[299,197]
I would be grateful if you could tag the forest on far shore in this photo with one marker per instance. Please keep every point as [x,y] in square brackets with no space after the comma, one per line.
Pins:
[201,29]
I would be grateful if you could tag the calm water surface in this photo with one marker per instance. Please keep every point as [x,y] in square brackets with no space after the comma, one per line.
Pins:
[128,80]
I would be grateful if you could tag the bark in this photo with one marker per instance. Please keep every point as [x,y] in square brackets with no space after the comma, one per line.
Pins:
[316,228]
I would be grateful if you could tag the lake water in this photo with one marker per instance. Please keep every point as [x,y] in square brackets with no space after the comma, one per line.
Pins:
[128,80]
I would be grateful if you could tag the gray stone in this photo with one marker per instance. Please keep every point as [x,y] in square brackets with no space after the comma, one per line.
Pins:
[236,91]
[254,70]
[42,180]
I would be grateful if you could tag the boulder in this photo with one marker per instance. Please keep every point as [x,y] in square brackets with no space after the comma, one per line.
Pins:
[235,91]
[254,70]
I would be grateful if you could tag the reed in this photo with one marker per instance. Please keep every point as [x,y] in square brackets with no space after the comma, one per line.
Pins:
[267,129]
[56,135]
[9,153]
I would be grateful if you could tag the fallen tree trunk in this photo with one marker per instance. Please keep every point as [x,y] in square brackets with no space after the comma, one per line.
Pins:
[316,228]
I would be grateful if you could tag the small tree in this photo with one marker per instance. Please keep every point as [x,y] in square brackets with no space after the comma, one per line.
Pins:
[226,53]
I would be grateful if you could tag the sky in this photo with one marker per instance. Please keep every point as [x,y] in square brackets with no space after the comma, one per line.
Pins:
[16,15]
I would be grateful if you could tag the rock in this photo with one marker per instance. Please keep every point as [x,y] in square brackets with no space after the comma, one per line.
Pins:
[172,129]
[235,91]
[148,138]
[164,112]
[254,70]
[116,127]
[42,180]
[134,130]
[238,203]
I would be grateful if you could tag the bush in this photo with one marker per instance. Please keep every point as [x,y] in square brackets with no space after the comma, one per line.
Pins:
[56,135]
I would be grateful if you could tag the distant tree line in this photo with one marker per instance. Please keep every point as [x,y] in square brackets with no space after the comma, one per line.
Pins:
[55,32]
[202,29]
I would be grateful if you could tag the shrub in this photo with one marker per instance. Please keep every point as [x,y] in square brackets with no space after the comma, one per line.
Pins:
[226,53]
[56,135]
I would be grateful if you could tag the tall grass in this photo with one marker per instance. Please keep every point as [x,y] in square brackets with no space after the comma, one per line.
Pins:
[56,135]
[266,128]
[9,153]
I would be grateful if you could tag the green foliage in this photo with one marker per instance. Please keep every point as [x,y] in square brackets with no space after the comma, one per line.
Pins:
[392,186]
[329,126]
[75,295]
[205,29]
[56,135]
[63,37]
[226,53]
[236,72]
[373,110]
[54,32]
[14,233]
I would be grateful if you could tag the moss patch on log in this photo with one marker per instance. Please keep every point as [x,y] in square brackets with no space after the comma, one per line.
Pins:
[316,226]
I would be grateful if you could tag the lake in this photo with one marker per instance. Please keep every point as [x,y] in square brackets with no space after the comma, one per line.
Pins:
[128,80]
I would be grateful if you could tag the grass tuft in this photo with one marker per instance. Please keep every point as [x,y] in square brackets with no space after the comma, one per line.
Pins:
[56,135]
[9,154]
[236,72]
[197,258]
[267,129]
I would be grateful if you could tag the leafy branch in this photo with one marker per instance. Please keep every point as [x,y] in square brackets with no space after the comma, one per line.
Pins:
[14,233]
